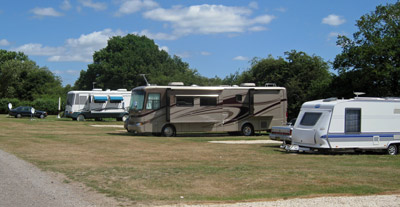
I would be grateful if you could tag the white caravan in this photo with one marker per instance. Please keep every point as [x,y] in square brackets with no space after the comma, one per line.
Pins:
[176,108]
[98,104]
[361,124]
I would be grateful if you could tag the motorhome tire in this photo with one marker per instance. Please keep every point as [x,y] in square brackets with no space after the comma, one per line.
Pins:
[247,130]
[392,149]
[18,116]
[168,131]
[125,117]
[80,117]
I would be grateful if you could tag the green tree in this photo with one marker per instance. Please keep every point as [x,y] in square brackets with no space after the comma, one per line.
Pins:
[21,78]
[371,61]
[119,64]
[305,77]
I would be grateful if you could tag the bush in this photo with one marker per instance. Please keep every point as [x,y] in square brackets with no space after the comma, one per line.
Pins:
[46,104]
[4,104]
[42,104]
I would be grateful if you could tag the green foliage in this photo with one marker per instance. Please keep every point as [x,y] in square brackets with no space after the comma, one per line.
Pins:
[21,78]
[371,61]
[50,105]
[119,64]
[305,77]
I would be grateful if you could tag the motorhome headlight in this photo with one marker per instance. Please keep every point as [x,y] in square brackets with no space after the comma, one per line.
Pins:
[139,124]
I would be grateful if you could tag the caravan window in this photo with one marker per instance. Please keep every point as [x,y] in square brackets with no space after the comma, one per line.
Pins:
[208,101]
[310,118]
[153,101]
[184,101]
[352,120]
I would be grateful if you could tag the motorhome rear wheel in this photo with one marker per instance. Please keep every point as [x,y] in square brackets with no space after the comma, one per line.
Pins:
[392,149]
[80,117]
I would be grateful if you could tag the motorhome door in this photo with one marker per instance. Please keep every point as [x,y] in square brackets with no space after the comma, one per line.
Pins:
[311,126]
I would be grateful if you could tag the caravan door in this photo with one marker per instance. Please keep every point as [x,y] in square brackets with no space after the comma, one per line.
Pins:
[311,126]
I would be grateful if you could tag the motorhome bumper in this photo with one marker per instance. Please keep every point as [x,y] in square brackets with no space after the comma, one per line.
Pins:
[296,148]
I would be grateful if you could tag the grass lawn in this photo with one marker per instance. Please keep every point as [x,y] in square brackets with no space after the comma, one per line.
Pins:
[160,170]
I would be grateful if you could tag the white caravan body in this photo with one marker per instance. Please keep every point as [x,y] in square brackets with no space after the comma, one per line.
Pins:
[170,109]
[359,123]
[98,104]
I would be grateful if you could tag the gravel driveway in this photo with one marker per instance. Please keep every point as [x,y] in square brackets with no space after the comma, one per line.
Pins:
[22,184]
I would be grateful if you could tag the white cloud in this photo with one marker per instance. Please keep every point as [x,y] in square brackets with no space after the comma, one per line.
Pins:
[75,49]
[184,55]
[241,58]
[333,20]
[165,48]
[281,9]
[204,53]
[132,6]
[42,12]
[66,5]
[208,19]
[98,6]
[158,36]
[4,42]
[39,49]
[253,5]
[257,28]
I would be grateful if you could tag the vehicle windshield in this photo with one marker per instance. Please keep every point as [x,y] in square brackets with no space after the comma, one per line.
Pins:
[137,100]
[70,99]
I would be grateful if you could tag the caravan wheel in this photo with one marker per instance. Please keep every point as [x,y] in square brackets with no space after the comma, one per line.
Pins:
[392,149]
[168,131]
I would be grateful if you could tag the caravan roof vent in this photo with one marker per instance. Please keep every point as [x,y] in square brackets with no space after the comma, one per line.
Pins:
[97,89]
[270,85]
[330,99]
[121,89]
[176,84]
[194,85]
[247,85]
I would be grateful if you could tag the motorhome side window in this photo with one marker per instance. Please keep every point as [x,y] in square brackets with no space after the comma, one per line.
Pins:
[310,118]
[208,101]
[184,101]
[153,101]
[352,120]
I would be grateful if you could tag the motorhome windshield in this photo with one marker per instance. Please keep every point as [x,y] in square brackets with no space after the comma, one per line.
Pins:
[137,100]
[310,118]
[70,99]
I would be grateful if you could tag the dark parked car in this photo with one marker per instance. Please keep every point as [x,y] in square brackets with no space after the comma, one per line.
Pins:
[26,111]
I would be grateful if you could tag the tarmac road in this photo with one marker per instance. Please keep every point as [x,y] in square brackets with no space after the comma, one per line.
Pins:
[22,184]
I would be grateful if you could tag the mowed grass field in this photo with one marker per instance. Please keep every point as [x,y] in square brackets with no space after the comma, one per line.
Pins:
[188,169]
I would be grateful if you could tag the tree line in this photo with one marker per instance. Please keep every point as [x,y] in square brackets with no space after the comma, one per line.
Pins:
[369,62]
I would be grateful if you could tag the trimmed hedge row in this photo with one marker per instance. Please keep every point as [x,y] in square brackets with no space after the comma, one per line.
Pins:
[43,104]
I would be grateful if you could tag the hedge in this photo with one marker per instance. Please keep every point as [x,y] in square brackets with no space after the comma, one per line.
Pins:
[43,104]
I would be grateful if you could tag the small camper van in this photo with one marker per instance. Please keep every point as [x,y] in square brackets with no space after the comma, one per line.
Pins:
[98,104]
[176,108]
[361,124]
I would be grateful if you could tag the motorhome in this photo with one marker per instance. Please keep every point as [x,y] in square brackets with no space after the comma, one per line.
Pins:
[176,108]
[361,123]
[98,104]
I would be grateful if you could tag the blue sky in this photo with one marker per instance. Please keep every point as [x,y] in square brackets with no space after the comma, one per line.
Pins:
[215,37]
